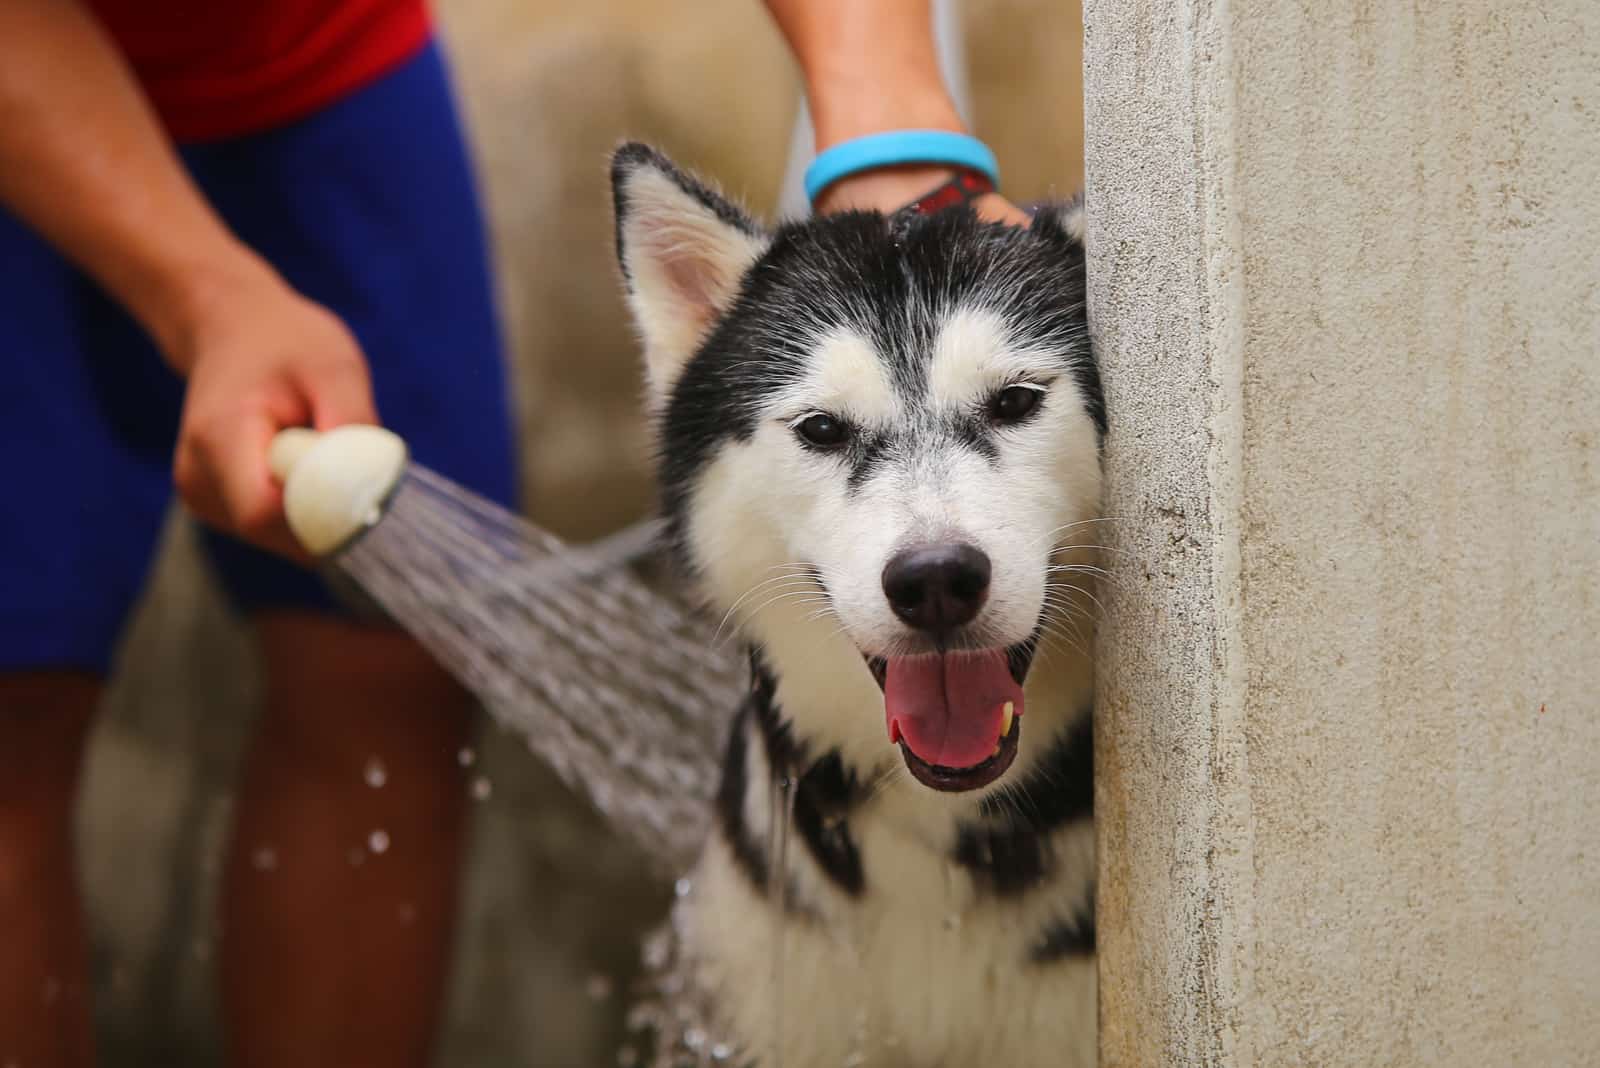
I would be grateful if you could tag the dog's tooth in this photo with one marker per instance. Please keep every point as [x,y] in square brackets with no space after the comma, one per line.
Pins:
[1007,714]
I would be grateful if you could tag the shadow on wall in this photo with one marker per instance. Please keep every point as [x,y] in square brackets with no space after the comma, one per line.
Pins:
[553,906]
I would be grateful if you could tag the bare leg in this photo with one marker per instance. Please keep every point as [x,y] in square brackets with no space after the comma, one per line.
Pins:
[341,887]
[45,1015]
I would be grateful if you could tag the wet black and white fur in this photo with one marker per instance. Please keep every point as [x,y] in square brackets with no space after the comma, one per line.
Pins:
[920,926]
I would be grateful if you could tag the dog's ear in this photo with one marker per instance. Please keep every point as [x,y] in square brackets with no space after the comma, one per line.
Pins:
[683,250]
[1062,223]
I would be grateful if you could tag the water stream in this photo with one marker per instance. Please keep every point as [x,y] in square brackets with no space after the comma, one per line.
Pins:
[612,679]
[614,682]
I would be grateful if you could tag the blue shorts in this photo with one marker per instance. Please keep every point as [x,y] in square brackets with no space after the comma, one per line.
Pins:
[367,207]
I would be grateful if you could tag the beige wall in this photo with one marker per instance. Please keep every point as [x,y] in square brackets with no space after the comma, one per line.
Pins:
[1345,271]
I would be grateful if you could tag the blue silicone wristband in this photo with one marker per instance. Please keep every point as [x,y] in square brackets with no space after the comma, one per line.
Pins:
[895,148]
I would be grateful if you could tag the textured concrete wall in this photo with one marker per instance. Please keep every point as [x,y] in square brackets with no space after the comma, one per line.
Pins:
[1345,277]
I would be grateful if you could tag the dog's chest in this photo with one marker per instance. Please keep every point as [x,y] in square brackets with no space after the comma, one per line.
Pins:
[929,969]
[908,936]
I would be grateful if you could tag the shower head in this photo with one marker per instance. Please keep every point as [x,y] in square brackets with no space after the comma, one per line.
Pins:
[336,483]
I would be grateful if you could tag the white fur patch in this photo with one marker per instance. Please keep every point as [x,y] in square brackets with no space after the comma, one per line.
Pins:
[684,266]
[975,355]
[847,377]
[920,972]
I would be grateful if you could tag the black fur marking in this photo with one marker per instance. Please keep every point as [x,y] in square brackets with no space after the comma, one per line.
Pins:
[869,456]
[1006,861]
[1060,790]
[977,434]
[825,792]
[749,853]
[1048,224]
[784,754]
[1066,939]
[1011,853]
[1019,657]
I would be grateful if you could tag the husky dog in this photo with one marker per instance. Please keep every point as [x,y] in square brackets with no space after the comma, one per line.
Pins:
[879,452]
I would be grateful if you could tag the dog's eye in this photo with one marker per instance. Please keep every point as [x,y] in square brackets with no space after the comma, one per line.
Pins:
[822,431]
[1014,404]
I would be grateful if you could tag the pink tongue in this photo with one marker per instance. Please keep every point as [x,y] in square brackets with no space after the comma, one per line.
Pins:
[949,709]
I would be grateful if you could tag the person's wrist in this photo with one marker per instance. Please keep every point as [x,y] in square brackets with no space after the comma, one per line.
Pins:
[885,189]
[197,298]
[889,189]
[848,104]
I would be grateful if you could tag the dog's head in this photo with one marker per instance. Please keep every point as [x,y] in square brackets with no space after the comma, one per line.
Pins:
[879,443]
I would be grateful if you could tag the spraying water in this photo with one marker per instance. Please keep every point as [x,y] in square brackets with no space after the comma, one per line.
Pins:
[613,680]
[614,684]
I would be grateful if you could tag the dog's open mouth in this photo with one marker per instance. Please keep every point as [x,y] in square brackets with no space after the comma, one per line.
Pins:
[956,715]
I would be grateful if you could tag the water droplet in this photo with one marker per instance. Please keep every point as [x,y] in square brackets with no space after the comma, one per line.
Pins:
[721,1051]
[378,842]
[682,887]
[641,1017]
[466,757]
[481,788]
[695,1039]
[598,987]
[264,859]
[656,951]
[375,774]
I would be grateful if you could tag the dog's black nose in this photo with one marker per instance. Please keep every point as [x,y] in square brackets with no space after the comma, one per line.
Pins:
[937,587]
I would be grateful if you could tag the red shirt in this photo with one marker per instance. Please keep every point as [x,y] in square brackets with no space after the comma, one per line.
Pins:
[221,68]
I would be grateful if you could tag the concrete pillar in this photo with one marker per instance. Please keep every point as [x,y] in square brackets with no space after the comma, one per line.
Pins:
[1345,279]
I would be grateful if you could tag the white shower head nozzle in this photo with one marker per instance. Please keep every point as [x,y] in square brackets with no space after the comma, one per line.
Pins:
[336,483]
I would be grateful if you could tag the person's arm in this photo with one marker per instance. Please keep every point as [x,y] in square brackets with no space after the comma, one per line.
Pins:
[83,161]
[871,66]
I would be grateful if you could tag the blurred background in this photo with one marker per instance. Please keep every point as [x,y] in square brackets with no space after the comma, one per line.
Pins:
[554,906]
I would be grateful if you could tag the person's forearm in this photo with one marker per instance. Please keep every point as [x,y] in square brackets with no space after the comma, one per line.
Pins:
[869,65]
[83,161]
